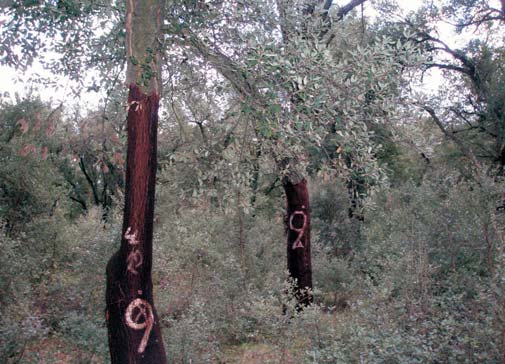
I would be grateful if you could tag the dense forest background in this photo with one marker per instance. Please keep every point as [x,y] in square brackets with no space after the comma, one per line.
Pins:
[396,119]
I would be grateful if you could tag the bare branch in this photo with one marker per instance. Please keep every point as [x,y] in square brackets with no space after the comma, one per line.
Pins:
[478,22]
[460,56]
[348,8]
[468,67]
[449,67]
[222,63]
[326,9]
[80,202]
[462,147]
[462,115]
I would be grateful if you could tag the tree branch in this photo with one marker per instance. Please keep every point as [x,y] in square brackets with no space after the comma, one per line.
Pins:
[468,68]
[449,67]
[471,126]
[460,56]
[344,10]
[223,64]
[462,147]
[80,202]
[90,181]
[478,22]
[326,9]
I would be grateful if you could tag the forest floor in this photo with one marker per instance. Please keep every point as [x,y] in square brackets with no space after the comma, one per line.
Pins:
[55,350]
[256,354]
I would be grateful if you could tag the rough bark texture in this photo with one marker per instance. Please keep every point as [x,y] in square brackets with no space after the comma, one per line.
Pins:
[298,239]
[134,331]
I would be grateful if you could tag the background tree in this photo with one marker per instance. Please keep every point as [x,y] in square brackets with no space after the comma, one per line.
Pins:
[473,119]
[284,109]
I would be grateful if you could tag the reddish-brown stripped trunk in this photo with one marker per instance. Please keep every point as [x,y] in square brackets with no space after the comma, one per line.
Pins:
[132,322]
[134,330]
[298,239]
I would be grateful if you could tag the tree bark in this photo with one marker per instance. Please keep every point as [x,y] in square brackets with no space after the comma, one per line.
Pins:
[134,331]
[298,239]
[133,325]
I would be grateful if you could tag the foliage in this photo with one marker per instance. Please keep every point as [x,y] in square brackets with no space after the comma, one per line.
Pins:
[69,28]
[48,159]
[431,255]
[57,287]
[30,185]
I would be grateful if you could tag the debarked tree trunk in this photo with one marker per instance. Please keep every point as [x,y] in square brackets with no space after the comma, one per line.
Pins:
[133,326]
[298,239]
[134,331]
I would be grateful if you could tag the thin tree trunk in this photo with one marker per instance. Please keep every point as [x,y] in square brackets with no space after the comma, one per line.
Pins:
[82,166]
[132,322]
[255,178]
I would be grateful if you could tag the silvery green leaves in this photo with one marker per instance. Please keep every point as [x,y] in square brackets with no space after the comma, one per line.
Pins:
[326,99]
[65,37]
